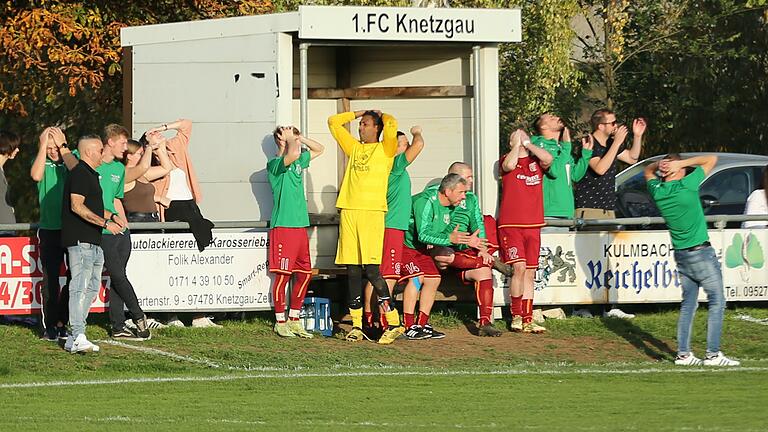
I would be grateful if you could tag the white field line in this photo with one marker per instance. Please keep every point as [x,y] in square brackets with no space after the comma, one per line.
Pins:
[156,351]
[753,319]
[384,373]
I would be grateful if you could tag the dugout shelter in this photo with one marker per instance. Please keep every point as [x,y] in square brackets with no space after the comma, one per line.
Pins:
[237,78]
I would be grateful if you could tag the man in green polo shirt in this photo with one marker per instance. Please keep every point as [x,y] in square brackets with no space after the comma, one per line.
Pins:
[50,169]
[288,241]
[677,197]
[117,247]
[554,137]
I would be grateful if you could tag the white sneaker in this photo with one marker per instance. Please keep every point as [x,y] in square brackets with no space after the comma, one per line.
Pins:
[130,325]
[83,345]
[154,324]
[174,322]
[719,359]
[618,313]
[582,313]
[688,360]
[68,343]
[204,322]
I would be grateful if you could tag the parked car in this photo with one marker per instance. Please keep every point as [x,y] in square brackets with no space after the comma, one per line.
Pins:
[723,192]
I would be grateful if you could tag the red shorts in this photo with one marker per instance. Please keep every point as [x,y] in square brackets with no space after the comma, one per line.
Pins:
[392,254]
[462,272]
[289,250]
[520,244]
[418,263]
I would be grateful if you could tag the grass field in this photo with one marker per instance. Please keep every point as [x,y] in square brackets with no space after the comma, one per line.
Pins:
[584,375]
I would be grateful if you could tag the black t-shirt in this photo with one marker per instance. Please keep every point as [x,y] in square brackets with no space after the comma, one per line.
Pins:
[598,191]
[82,180]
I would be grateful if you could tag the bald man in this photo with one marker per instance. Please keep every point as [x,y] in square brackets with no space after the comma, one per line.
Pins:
[82,219]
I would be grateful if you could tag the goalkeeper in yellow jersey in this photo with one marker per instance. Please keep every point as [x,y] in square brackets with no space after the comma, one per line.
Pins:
[363,204]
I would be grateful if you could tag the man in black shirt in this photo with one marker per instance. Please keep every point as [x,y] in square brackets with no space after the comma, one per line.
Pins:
[595,195]
[82,219]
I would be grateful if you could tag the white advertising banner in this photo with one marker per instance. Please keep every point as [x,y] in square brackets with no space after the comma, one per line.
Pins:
[410,24]
[638,267]
[170,274]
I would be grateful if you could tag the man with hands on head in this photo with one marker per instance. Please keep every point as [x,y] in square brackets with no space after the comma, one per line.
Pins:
[288,241]
[521,216]
[50,170]
[363,204]
[676,194]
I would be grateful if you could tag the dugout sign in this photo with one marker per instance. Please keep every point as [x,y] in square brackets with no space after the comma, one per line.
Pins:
[170,274]
[410,24]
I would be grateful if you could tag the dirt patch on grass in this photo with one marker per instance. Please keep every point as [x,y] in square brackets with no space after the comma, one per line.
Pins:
[461,346]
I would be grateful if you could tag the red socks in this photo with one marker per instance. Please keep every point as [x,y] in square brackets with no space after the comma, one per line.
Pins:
[423,319]
[299,290]
[368,316]
[408,319]
[278,295]
[484,292]
[516,307]
[527,310]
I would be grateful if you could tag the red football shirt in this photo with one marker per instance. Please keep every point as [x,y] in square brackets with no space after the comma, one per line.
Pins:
[522,200]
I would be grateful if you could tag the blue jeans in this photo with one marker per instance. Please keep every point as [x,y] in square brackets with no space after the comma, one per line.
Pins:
[696,269]
[85,263]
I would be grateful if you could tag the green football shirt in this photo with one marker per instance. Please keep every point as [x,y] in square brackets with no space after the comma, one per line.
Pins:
[398,195]
[112,182]
[290,205]
[679,204]
[50,193]
[430,222]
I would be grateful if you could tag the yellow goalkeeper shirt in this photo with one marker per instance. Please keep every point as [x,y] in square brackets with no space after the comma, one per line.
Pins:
[365,180]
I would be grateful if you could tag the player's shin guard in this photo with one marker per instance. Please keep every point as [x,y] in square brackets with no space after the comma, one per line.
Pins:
[278,294]
[527,310]
[484,292]
[298,294]
[466,262]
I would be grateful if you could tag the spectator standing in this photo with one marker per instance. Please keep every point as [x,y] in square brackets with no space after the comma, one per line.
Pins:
[50,170]
[9,148]
[288,241]
[595,194]
[117,247]
[521,216]
[677,197]
[82,219]
[555,138]
[757,203]
[363,203]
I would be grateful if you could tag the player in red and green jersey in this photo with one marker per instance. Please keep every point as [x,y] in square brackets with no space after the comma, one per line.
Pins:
[521,216]
[396,219]
[429,229]
[288,241]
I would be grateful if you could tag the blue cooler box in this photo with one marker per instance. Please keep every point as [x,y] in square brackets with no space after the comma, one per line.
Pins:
[316,315]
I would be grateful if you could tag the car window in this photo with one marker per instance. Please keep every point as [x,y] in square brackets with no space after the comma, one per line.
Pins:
[730,186]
